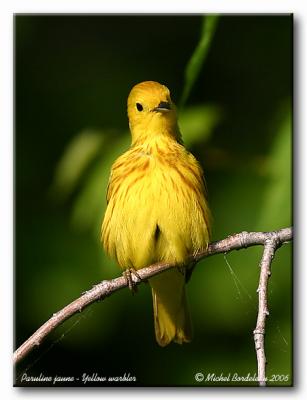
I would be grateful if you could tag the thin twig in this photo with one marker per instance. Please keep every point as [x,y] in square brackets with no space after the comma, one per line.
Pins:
[106,288]
[270,246]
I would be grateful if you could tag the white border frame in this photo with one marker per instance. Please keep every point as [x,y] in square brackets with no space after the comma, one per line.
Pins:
[7,9]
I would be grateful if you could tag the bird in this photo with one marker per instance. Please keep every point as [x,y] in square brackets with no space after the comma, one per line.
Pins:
[157,207]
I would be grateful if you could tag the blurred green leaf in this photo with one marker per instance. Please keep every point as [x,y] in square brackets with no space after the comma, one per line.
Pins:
[89,205]
[199,55]
[276,209]
[198,122]
[78,155]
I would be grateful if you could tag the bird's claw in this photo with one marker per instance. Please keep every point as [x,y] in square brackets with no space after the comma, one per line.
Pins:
[132,284]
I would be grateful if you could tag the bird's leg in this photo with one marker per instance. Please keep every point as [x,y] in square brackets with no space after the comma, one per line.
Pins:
[181,267]
[191,265]
[127,274]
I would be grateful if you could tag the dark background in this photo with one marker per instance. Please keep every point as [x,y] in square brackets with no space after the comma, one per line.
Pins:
[72,78]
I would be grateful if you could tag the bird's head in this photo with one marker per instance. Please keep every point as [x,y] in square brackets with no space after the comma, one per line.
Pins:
[151,111]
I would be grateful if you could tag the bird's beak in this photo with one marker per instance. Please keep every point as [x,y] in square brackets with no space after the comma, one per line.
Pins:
[163,106]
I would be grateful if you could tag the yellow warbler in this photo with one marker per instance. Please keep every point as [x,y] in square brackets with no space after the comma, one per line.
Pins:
[157,208]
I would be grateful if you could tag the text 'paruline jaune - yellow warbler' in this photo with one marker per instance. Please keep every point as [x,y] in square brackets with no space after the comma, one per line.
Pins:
[157,208]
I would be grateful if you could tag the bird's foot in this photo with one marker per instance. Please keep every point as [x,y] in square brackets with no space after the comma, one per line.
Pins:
[181,267]
[132,284]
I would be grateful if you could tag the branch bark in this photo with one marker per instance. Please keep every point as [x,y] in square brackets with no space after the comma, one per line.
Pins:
[270,240]
[270,246]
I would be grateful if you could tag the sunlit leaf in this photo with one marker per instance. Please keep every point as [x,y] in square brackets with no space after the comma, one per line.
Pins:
[199,55]
[276,210]
[80,152]
[90,202]
[198,122]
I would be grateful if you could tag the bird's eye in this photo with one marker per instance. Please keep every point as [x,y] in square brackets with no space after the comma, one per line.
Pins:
[139,106]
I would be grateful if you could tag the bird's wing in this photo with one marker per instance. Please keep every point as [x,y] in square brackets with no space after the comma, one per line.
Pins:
[109,189]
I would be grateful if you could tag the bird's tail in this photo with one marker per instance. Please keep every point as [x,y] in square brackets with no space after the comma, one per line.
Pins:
[171,313]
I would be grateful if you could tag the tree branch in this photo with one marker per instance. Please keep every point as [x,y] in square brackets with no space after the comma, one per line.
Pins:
[270,240]
[270,246]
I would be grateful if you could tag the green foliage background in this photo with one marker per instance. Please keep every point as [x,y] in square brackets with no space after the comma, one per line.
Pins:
[232,77]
